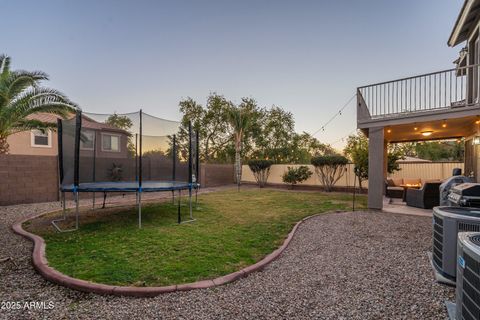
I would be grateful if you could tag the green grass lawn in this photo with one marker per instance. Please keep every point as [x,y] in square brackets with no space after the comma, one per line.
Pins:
[233,230]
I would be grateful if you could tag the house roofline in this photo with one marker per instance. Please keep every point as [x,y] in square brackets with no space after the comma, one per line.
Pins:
[456,36]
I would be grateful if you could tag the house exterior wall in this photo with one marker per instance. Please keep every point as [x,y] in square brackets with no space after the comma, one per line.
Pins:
[21,144]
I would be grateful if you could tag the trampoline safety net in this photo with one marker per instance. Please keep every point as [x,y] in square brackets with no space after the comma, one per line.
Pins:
[126,152]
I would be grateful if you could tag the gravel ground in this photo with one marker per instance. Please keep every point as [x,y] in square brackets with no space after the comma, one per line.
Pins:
[339,266]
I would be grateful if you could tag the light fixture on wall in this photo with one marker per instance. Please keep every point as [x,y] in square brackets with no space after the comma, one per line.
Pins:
[389,130]
[444,124]
[427,133]
[415,128]
[476,140]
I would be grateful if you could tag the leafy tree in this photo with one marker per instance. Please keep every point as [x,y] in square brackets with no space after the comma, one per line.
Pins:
[260,169]
[440,150]
[239,121]
[329,168]
[304,146]
[277,129]
[211,122]
[21,96]
[357,150]
[296,175]
[124,123]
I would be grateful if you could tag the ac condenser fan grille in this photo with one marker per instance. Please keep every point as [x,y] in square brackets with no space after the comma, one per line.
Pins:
[438,241]
[471,281]
[475,239]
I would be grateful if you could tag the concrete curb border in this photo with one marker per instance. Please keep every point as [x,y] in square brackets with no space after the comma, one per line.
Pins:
[40,264]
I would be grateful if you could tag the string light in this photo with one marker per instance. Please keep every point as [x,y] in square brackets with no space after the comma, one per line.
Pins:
[339,113]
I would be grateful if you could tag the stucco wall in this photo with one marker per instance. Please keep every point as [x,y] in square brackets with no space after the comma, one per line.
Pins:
[21,143]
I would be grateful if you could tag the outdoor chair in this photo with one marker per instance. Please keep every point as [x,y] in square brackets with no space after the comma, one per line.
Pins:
[427,197]
[393,189]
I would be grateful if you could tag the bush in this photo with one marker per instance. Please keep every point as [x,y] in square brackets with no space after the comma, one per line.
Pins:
[296,175]
[329,168]
[261,170]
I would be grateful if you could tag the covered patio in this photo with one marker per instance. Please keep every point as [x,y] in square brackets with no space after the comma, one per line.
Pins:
[422,127]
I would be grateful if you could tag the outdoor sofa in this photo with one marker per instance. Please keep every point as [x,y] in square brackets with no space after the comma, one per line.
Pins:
[427,197]
[394,189]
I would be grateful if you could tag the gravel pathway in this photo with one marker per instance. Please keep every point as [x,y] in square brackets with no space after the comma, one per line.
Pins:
[339,266]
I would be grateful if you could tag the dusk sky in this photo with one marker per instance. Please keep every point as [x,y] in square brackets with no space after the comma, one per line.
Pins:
[305,56]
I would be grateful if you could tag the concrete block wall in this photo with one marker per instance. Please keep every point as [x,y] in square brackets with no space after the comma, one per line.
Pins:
[28,179]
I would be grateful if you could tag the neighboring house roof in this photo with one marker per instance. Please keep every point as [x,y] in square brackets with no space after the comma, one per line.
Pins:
[413,159]
[86,122]
[466,21]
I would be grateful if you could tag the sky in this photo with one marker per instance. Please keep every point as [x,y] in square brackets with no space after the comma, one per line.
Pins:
[307,57]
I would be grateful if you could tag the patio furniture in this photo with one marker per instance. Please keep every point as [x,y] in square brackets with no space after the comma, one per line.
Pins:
[394,188]
[427,197]
[409,186]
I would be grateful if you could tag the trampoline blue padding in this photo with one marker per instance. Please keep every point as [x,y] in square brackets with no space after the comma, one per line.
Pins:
[129,186]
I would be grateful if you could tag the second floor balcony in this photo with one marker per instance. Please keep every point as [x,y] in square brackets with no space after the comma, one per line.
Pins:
[443,92]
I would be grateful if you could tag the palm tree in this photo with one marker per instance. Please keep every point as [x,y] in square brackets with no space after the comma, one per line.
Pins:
[239,121]
[21,96]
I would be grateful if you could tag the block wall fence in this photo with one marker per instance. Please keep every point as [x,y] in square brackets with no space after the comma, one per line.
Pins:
[424,171]
[30,179]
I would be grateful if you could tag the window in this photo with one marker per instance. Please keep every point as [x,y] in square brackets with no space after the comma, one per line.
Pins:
[40,139]
[110,142]
[87,140]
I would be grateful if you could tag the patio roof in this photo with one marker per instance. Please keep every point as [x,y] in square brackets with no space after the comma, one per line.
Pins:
[432,130]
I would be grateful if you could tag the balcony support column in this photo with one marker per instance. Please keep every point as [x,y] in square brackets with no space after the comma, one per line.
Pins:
[377,167]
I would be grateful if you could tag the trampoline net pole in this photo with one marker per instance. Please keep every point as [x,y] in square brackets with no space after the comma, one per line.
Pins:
[94,161]
[197,160]
[60,152]
[140,175]
[174,160]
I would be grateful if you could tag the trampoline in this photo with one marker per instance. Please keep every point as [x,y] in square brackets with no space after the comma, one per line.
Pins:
[126,153]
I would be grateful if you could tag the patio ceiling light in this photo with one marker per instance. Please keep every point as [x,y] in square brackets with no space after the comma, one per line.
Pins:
[426,133]
[389,130]
[477,122]
[444,124]
[476,140]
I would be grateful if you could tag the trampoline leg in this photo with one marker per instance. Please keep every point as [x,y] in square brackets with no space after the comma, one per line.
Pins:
[190,202]
[64,215]
[190,207]
[178,210]
[173,196]
[77,196]
[104,199]
[196,198]
[139,210]
[93,206]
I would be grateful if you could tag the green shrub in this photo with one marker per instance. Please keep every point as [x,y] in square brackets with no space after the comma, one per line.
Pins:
[261,170]
[296,175]
[329,168]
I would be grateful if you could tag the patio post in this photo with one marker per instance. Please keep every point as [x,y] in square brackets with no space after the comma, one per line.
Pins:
[376,167]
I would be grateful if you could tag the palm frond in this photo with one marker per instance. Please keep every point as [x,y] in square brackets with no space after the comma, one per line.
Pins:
[4,65]
[32,124]
[19,81]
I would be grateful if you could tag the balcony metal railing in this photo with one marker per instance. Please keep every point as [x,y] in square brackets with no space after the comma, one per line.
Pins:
[451,88]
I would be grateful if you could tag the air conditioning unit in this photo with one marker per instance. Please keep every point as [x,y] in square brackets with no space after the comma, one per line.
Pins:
[468,276]
[447,223]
